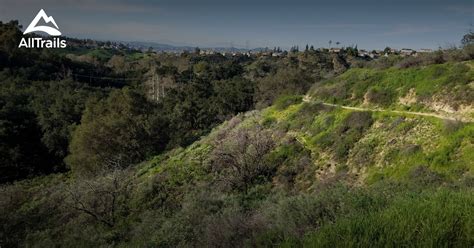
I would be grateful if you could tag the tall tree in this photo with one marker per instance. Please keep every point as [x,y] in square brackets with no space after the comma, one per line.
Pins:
[116,132]
[21,152]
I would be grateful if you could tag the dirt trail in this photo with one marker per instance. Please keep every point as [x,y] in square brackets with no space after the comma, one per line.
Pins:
[307,98]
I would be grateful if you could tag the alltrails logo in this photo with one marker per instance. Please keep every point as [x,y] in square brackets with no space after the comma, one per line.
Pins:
[40,42]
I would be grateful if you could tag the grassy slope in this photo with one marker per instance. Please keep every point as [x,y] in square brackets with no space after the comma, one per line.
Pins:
[425,151]
[443,87]
[393,146]
[428,219]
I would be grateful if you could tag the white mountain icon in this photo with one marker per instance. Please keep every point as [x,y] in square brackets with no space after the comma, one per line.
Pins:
[47,19]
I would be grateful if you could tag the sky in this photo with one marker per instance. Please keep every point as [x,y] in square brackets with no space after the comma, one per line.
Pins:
[369,24]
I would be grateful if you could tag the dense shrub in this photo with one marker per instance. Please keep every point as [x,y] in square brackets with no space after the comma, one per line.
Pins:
[232,96]
[240,158]
[115,135]
[22,153]
[332,93]
[291,158]
[283,102]
[284,82]
[350,131]
[379,96]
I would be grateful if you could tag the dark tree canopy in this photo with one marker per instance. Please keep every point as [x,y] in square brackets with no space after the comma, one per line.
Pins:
[116,132]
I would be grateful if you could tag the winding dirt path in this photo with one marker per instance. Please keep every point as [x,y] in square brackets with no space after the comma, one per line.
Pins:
[307,98]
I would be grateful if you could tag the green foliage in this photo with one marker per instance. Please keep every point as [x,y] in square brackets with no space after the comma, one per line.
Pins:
[379,96]
[305,116]
[194,108]
[385,87]
[455,146]
[59,106]
[451,160]
[291,159]
[21,152]
[442,218]
[350,132]
[283,102]
[196,92]
[346,134]
[115,132]
[210,194]
[232,96]
[283,82]
[239,159]
[10,36]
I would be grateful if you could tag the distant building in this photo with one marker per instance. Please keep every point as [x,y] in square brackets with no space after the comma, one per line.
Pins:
[407,51]
[363,53]
[375,53]
[277,54]
[425,50]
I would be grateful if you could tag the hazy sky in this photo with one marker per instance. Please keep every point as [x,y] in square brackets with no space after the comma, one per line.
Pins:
[369,23]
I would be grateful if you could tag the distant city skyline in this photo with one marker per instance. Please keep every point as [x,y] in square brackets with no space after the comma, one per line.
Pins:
[369,24]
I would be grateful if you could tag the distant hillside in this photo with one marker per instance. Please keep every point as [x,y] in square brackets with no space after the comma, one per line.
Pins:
[160,47]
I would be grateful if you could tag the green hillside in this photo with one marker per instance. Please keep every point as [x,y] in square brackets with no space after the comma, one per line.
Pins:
[447,88]
[295,173]
[362,146]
